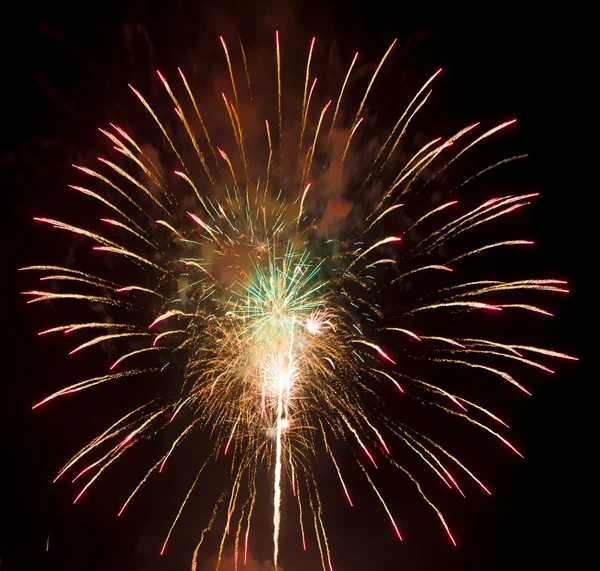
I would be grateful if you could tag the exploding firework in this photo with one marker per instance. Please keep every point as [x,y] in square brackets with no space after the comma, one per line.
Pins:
[275,334]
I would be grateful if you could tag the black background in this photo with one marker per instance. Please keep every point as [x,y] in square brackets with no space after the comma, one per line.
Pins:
[68,66]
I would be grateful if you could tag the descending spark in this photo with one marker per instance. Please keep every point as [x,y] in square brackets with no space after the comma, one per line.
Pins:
[387,510]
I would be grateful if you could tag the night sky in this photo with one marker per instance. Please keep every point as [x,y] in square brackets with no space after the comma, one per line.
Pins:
[67,74]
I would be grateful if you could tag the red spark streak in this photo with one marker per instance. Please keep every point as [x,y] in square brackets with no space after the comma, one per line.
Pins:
[386,356]
[47,399]
[449,534]
[370,457]
[511,446]
[347,495]
[83,472]
[457,403]
[397,530]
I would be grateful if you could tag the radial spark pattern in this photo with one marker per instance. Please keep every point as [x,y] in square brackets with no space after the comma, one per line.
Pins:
[274,335]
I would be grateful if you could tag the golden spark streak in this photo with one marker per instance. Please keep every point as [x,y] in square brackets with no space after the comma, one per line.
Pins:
[304,106]
[339,100]
[235,95]
[393,131]
[364,99]
[311,152]
[387,510]
[193,100]
[278,85]
[160,125]
[246,68]
[181,115]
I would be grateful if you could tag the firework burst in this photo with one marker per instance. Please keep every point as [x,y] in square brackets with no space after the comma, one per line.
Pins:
[276,335]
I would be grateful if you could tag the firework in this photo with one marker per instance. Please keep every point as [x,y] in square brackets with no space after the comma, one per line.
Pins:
[276,333]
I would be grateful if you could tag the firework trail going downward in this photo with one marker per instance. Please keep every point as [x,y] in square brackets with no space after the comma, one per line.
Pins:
[273,333]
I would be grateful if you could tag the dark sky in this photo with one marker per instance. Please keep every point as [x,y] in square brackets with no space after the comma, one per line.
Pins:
[67,72]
